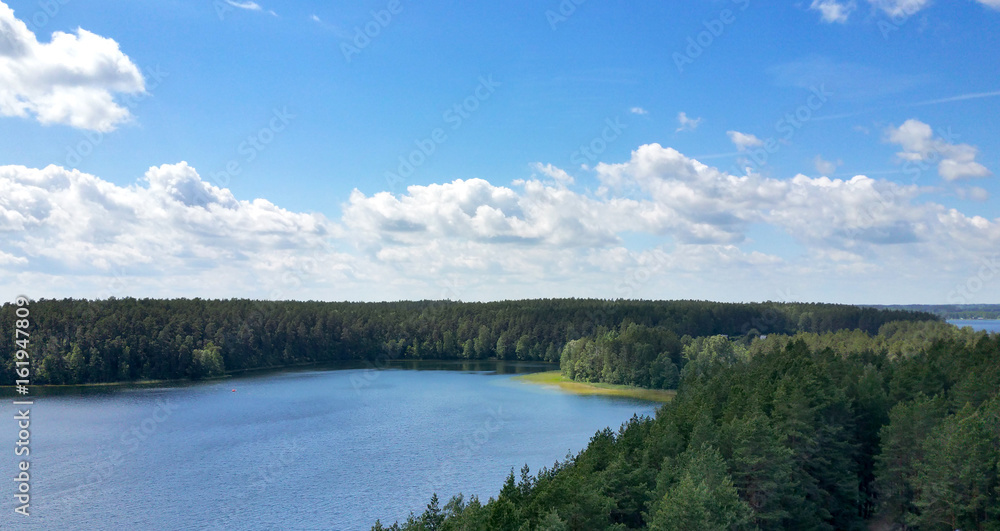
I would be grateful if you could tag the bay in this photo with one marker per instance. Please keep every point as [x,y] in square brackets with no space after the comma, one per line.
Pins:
[304,449]
[989,325]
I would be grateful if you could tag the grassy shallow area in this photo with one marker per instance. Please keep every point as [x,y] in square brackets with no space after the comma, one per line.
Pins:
[556,378]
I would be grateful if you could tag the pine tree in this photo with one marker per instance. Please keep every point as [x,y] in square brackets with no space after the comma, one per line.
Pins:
[703,497]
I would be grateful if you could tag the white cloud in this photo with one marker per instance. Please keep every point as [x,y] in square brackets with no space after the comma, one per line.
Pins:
[744,141]
[974,193]
[557,174]
[70,80]
[315,18]
[687,124]
[839,11]
[638,110]
[960,97]
[955,161]
[254,6]
[898,8]
[826,167]
[249,5]
[475,211]
[832,11]
[173,234]
[9,259]
[172,223]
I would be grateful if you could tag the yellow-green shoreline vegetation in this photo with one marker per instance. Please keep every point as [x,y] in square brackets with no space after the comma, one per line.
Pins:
[557,379]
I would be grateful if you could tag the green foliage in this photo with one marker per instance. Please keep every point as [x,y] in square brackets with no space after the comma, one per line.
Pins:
[816,431]
[79,341]
[702,495]
[207,362]
[901,450]
[853,417]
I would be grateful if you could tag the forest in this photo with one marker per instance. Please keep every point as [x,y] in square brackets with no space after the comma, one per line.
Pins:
[115,340]
[952,311]
[787,416]
[835,430]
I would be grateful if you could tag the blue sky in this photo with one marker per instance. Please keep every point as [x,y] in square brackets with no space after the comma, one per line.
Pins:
[558,164]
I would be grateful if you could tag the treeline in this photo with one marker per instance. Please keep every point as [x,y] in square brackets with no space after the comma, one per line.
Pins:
[79,341]
[656,358]
[952,311]
[817,431]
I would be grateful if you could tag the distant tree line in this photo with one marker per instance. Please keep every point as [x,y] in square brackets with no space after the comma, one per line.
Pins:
[654,357]
[952,311]
[841,430]
[80,341]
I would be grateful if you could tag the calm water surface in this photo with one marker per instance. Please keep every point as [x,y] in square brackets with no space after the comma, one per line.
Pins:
[989,325]
[311,449]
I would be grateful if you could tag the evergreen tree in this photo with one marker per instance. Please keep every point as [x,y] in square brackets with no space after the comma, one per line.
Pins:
[703,497]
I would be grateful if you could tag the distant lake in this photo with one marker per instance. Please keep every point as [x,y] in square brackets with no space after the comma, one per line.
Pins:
[307,449]
[990,325]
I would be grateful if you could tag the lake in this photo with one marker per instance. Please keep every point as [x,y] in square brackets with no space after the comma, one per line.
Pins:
[990,325]
[305,449]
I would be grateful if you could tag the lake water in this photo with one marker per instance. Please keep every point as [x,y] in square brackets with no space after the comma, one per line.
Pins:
[990,325]
[309,449]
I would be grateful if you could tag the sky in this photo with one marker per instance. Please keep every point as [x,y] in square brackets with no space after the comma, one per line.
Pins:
[730,150]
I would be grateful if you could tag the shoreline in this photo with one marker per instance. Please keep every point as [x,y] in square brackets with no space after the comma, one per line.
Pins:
[556,379]
[391,364]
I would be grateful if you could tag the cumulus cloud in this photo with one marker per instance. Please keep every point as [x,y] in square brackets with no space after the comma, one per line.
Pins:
[744,141]
[687,124]
[168,223]
[832,11]
[826,167]
[920,145]
[638,110]
[558,175]
[672,195]
[477,211]
[70,80]
[175,234]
